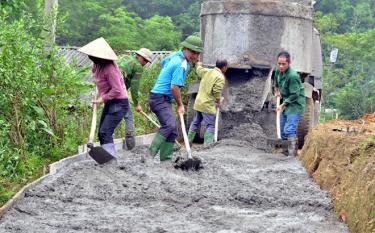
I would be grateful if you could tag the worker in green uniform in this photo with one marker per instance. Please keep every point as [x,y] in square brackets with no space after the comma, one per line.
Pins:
[208,99]
[132,68]
[291,91]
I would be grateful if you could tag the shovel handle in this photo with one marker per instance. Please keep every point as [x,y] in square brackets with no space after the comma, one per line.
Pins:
[217,120]
[156,124]
[93,125]
[186,140]
[217,123]
[150,119]
[278,118]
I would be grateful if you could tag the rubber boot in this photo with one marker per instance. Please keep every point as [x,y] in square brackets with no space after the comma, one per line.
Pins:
[285,149]
[130,140]
[153,149]
[166,151]
[191,136]
[110,148]
[208,138]
[292,147]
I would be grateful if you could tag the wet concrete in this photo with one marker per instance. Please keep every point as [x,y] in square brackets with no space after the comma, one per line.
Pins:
[243,116]
[240,190]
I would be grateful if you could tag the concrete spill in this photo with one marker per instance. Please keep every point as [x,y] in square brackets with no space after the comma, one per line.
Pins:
[243,117]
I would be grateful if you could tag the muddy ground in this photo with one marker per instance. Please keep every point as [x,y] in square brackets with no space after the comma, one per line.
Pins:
[239,190]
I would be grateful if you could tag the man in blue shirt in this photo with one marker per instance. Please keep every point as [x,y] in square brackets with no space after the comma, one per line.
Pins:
[167,87]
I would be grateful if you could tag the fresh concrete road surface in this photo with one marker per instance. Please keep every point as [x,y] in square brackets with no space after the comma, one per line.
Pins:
[241,189]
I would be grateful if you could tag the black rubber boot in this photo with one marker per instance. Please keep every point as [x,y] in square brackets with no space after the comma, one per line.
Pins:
[130,140]
[292,147]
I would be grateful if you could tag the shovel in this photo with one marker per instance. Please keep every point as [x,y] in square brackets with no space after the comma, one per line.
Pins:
[189,162]
[278,118]
[278,143]
[217,120]
[157,125]
[98,153]
[217,124]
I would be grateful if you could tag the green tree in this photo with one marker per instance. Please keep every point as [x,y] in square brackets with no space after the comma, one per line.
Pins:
[82,20]
[352,79]
[87,20]
[160,33]
[350,15]
[121,29]
[189,21]
[110,19]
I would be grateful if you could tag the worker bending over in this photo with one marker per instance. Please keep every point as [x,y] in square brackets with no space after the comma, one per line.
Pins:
[208,100]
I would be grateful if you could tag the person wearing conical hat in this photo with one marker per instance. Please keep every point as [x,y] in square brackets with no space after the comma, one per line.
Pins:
[167,87]
[132,69]
[111,88]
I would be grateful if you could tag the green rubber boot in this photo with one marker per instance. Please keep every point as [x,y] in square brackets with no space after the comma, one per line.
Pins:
[166,151]
[191,136]
[208,138]
[156,144]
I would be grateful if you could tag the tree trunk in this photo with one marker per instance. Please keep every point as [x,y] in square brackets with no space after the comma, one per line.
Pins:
[50,11]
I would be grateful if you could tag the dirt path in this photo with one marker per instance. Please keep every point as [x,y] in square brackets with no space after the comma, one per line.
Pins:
[240,190]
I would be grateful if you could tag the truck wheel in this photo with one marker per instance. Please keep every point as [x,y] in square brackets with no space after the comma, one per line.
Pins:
[306,123]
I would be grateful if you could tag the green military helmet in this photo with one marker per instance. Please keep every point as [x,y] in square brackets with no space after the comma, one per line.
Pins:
[194,43]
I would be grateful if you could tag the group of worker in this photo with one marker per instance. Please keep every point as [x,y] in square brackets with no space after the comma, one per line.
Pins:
[113,79]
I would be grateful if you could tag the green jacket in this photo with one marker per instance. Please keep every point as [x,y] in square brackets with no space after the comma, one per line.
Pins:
[291,90]
[132,71]
[210,88]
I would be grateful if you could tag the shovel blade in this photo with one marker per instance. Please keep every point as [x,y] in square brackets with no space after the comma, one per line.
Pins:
[100,155]
[278,143]
[192,163]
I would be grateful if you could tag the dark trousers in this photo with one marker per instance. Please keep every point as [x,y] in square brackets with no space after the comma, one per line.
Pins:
[161,105]
[113,112]
[208,120]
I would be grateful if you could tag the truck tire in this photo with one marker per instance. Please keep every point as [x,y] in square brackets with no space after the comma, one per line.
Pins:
[306,123]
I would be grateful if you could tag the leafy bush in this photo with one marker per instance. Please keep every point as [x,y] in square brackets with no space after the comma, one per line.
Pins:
[37,89]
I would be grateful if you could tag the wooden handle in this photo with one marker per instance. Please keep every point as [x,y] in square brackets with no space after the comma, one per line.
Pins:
[93,124]
[186,140]
[278,118]
[156,124]
[149,118]
[90,143]
[217,123]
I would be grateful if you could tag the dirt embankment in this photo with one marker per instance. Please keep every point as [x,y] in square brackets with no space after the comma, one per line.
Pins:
[340,156]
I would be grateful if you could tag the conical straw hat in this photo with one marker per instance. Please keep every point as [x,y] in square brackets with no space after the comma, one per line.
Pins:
[99,48]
